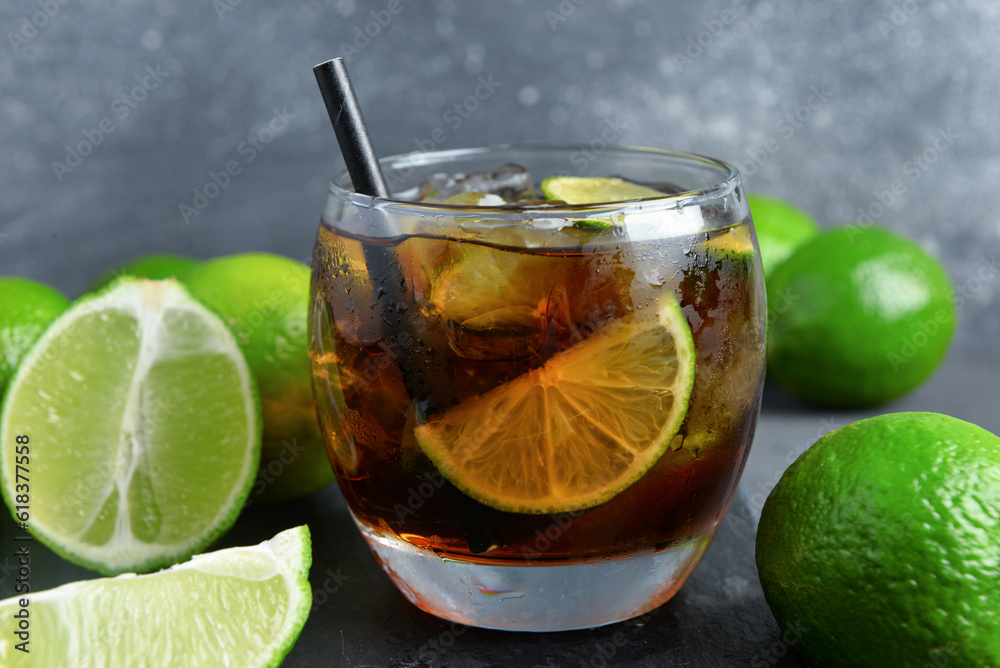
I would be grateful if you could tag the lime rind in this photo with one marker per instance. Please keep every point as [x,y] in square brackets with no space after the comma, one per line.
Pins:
[735,244]
[595,190]
[222,607]
[143,299]
[671,318]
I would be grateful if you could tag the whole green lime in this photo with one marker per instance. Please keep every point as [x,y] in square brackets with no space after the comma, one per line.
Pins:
[28,309]
[856,317]
[155,266]
[264,299]
[781,228]
[880,545]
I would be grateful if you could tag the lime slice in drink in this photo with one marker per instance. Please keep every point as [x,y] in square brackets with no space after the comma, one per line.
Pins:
[138,423]
[733,243]
[595,189]
[578,430]
[244,606]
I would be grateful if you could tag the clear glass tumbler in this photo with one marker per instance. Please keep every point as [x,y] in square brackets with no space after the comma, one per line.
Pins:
[538,412]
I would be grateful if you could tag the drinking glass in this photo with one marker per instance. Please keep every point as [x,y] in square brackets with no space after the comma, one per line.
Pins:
[538,412]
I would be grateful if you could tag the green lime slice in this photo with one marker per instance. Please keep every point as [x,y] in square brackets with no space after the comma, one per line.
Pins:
[734,244]
[139,425]
[471,198]
[595,189]
[243,606]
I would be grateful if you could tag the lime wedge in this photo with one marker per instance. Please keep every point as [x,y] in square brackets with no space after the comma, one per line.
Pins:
[139,424]
[577,431]
[244,606]
[735,243]
[595,190]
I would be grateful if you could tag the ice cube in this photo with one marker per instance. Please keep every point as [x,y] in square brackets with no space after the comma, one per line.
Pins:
[511,182]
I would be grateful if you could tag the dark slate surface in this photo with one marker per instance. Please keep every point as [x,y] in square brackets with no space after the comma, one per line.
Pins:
[718,619]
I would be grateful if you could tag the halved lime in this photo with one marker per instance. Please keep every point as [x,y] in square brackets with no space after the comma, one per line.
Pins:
[244,606]
[580,429]
[139,426]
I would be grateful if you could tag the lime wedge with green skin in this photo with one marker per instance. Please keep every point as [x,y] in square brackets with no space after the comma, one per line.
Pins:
[28,308]
[154,266]
[594,190]
[734,244]
[243,606]
[137,424]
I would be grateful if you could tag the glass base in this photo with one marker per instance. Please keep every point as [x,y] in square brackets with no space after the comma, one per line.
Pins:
[536,596]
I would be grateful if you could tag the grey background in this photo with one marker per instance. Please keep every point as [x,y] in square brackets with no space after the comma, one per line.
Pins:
[735,79]
[825,104]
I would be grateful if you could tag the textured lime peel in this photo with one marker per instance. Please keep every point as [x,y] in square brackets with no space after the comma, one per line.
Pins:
[242,606]
[143,425]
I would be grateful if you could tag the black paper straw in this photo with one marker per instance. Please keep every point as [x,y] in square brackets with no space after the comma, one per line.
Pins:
[383,266]
[349,125]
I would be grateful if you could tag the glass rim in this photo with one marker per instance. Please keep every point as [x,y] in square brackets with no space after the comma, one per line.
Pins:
[730,179]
